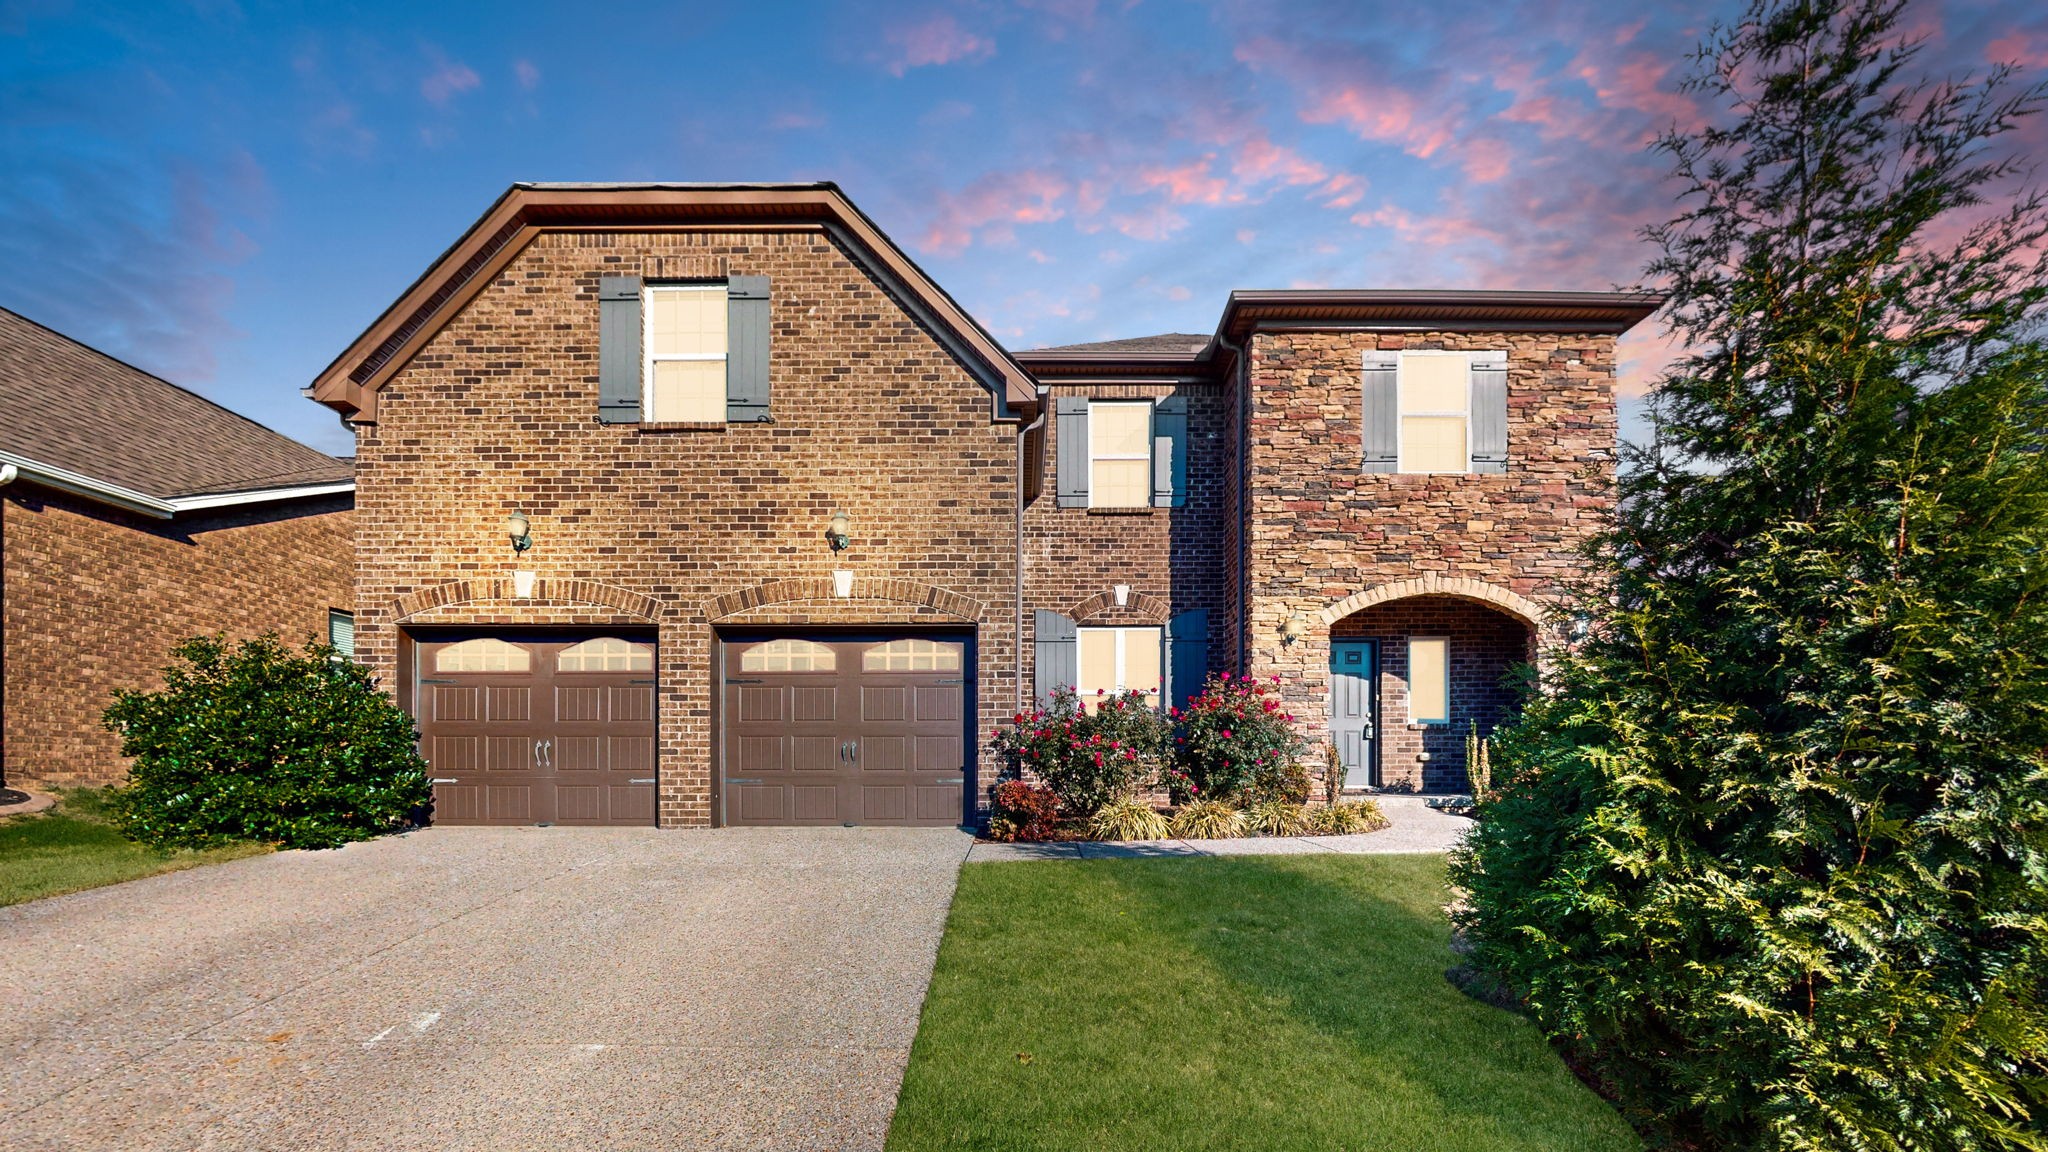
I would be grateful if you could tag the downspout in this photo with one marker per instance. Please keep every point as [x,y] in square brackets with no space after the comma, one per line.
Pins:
[1017,569]
[1242,370]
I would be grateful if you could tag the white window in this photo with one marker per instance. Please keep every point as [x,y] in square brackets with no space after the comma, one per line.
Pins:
[606,654]
[486,654]
[788,656]
[1429,680]
[685,343]
[911,656]
[1436,411]
[1120,454]
[1118,660]
[341,633]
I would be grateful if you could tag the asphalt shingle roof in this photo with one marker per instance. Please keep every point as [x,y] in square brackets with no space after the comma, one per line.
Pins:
[74,407]
[1165,342]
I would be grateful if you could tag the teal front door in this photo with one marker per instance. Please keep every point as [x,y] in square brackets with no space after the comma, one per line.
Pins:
[1354,708]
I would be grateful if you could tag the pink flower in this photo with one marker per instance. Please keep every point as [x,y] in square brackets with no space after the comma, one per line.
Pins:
[1226,733]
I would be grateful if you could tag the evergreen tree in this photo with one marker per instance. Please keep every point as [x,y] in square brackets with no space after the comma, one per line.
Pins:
[1770,853]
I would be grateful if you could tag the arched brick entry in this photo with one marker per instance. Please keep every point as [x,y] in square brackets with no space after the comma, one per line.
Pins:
[1148,609]
[544,590]
[820,588]
[1464,587]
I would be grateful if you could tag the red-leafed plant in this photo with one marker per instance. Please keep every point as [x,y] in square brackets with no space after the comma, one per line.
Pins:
[1023,810]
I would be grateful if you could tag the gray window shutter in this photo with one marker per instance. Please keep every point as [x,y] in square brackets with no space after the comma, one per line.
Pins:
[1381,418]
[1186,658]
[1489,412]
[1073,451]
[1170,452]
[746,350]
[1059,653]
[618,349]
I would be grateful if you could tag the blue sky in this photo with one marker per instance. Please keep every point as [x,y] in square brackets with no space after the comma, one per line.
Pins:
[227,194]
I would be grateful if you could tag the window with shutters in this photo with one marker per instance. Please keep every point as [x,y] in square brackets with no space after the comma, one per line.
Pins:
[1436,411]
[1120,454]
[685,339]
[1429,680]
[1118,660]
[606,654]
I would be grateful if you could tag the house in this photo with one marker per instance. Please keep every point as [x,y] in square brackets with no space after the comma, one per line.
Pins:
[133,515]
[702,504]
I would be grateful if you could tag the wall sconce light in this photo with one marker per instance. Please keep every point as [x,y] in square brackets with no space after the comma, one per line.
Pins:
[1294,629]
[839,532]
[521,532]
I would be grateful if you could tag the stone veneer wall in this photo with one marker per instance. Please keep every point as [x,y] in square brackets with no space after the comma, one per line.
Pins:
[670,528]
[96,597]
[1320,530]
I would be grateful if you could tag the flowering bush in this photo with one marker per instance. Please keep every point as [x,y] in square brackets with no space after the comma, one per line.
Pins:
[1087,758]
[1024,811]
[1235,742]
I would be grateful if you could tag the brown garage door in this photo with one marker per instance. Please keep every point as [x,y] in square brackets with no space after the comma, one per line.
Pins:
[818,729]
[519,729]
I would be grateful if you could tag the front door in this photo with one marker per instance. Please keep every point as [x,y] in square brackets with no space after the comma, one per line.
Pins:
[1354,708]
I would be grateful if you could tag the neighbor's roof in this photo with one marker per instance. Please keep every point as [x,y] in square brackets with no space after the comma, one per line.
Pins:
[1165,342]
[350,384]
[68,408]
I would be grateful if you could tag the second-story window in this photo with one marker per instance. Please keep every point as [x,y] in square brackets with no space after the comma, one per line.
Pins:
[686,353]
[1120,454]
[1436,409]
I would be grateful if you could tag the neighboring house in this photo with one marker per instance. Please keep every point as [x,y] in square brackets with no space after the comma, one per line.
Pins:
[703,504]
[133,515]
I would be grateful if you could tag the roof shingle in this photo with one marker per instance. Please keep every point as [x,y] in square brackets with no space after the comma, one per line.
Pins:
[74,407]
[1165,342]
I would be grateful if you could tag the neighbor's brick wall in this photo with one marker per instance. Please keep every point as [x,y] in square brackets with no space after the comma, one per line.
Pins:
[1484,646]
[1320,530]
[873,416]
[95,598]
[1171,557]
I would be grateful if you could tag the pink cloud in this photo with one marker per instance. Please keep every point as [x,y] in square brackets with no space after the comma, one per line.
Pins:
[527,74]
[1485,159]
[2018,47]
[1151,222]
[1246,236]
[933,41]
[1343,190]
[795,121]
[1637,84]
[992,206]
[448,79]
[1259,160]
[1189,183]
[1359,95]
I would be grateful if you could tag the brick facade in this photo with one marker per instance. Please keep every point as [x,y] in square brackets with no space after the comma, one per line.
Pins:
[1322,533]
[684,532]
[96,597]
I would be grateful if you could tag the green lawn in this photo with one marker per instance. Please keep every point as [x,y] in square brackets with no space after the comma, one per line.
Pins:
[1267,1003]
[74,846]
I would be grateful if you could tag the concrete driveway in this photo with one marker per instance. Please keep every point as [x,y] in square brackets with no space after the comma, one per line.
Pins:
[482,988]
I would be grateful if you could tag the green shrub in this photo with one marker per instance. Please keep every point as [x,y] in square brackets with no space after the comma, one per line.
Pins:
[1207,820]
[261,743]
[1770,856]
[1087,757]
[1234,742]
[1347,819]
[1276,818]
[1127,818]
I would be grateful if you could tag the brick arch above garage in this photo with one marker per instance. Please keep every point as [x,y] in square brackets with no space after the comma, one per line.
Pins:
[939,601]
[546,591]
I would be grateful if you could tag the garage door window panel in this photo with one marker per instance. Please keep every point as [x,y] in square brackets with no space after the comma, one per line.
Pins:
[789,656]
[484,654]
[911,656]
[606,654]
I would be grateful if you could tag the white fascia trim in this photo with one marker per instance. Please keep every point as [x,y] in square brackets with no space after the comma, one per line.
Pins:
[260,496]
[80,484]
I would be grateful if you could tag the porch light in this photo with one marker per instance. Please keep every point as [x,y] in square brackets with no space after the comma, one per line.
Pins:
[839,532]
[1294,629]
[521,532]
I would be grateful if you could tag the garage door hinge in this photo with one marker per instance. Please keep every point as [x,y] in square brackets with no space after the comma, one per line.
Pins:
[730,680]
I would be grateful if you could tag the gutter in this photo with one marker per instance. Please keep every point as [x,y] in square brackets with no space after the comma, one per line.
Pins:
[79,484]
[1017,569]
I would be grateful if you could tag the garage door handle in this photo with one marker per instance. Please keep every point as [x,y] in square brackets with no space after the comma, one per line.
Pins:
[736,780]
[442,780]
[954,780]
[641,780]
